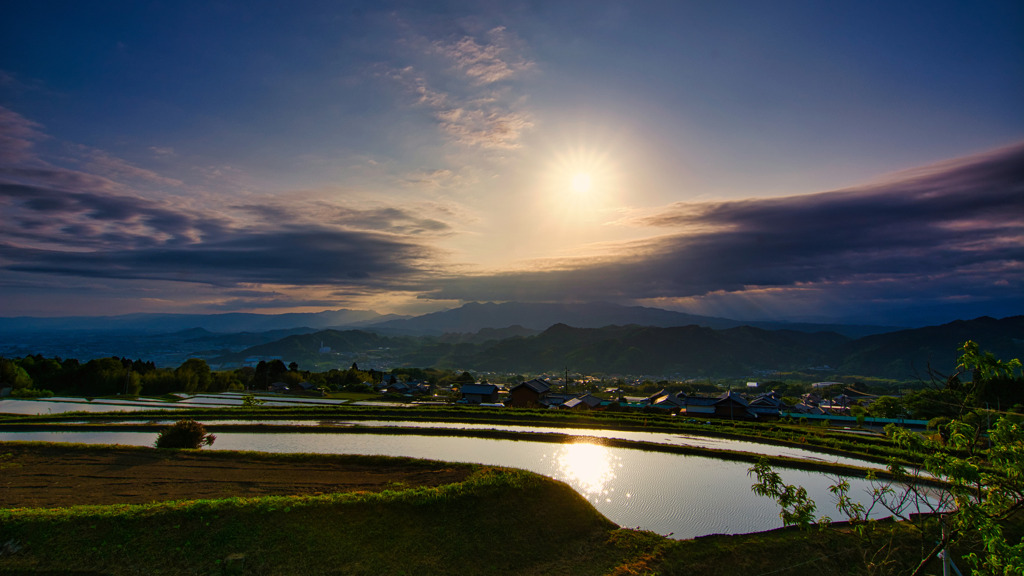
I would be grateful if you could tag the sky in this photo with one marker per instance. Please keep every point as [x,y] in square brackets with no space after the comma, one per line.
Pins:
[847,161]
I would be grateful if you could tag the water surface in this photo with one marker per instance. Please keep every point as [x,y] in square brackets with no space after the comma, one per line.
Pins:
[687,496]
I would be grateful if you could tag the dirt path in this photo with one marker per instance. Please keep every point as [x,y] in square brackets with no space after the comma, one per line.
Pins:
[51,476]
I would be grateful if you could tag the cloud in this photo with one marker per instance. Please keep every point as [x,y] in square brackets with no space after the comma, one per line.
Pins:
[49,216]
[95,226]
[492,128]
[385,219]
[472,110]
[18,136]
[96,233]
[104,164]
[486,63]
[277,257]
[951,231]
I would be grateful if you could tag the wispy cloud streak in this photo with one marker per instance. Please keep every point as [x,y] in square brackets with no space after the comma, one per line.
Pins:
[477,109]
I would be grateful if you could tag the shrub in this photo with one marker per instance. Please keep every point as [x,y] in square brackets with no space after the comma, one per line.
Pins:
[31,393]
[184,434]
[250,401]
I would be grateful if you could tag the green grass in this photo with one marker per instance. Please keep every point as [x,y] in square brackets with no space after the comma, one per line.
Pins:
[894,549]
[499,521]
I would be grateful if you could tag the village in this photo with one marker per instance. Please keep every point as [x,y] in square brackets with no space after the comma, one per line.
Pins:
[827,402]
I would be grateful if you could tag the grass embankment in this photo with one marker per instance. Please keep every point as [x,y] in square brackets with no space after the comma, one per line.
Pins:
[496,521]
[491,521]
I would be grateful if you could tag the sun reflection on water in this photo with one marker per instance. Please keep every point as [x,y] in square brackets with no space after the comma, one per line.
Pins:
[590,468]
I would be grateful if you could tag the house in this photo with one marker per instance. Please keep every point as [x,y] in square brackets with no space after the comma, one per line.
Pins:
[766,405]
[591,400]
[666,401]
[556,399]
[574,404]
[732,405]
[811,399]
[699,405]
[585,402]
[279,387]
[407,388]
[307,389]
[805,408]
[529,394]
[478,393]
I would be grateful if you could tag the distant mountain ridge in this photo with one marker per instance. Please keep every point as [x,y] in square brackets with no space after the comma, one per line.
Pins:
[475,316]
[677,351]
[914,352]
[219,323]
[470,318]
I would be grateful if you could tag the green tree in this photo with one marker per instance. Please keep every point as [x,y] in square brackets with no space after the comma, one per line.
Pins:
[194,376]
[859,413]
[224,380]
[13,375]
[102,377]
[886,407]
[159,381]
[45,372]
[267,373]
[985,485]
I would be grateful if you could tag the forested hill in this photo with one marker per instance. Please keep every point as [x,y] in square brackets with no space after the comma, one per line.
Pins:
[310,348]
[686,351]
[909,353]
[689,350]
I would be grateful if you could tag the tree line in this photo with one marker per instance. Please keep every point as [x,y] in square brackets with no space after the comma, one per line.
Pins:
[35,376]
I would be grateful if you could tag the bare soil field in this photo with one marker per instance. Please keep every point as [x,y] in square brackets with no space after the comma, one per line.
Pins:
[46,476]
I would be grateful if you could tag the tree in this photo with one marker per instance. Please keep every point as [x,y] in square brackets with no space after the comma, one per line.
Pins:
[267,373]
[101,377]
[13,375]
[184,434]
[886,407]
[225,380]
[159,381]
[859,413]
[985,485]
[194,376]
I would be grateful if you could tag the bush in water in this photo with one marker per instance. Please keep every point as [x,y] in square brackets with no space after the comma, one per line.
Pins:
[184,434]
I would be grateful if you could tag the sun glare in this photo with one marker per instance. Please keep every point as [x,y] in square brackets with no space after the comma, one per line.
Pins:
[579,186]
[587,466]
[580,182]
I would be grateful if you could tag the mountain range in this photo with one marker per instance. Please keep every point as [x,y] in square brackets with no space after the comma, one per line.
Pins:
[516,337]
[467,319]
[677,352]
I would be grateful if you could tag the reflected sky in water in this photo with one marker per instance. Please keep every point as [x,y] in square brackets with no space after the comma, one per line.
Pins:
[686,496]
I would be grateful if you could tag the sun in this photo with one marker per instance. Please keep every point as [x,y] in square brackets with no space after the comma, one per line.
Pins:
[581,182]
[578,186]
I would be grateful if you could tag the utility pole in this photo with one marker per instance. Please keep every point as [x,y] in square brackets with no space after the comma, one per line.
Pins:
[988,425]
[945,550]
